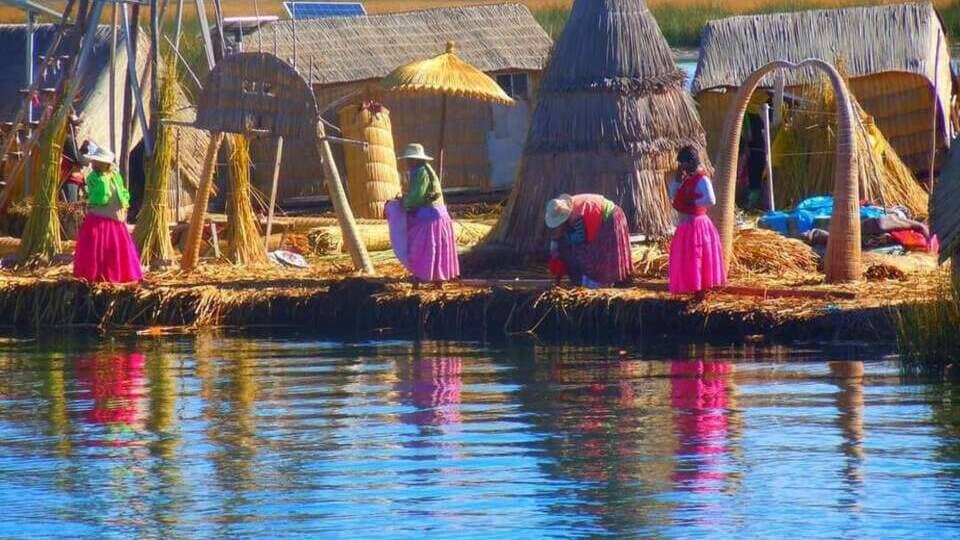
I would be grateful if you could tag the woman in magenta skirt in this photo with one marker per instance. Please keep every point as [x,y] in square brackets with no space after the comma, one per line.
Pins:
[590,241]
[421,231]
[105,250]
[696,255]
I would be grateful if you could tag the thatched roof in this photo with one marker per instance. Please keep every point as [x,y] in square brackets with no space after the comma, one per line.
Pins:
[945,205]
[877,39]
[610,116]
[492,38]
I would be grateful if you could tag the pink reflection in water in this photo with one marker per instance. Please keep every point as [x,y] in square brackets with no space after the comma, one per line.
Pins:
[434,389]
[115,385]
[699,398]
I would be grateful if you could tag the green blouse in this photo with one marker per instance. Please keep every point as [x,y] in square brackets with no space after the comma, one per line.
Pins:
[100,187]
[425,189]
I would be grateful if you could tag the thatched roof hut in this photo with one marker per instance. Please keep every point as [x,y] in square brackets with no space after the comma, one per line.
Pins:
[890,54]
[93,102]
[340,56]
[610,117]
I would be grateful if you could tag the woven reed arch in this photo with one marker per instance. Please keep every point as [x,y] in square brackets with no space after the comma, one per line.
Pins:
[842,262]
[258,94]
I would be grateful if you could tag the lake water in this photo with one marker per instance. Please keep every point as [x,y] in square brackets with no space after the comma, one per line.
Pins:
[207,436]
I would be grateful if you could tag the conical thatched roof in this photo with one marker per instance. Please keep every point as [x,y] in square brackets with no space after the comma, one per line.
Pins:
[610,116]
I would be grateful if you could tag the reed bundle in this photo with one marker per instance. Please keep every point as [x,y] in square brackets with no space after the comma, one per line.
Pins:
[763,251]
[41,234]
[372,175]
[881,272]
[152,232]
[376,236]
[245,246]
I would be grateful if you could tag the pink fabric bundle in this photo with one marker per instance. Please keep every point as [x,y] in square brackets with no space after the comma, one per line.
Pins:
[106,252]
[696,257]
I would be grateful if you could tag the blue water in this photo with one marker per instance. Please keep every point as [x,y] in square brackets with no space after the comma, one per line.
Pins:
[209,436]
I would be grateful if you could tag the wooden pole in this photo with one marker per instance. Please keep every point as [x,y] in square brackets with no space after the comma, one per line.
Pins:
[768,155]
[154,70]
[135,87]
[176,150]
[191,251]
[218,13]
[179,27]
[273,192]
[31,18]
[348,226]
[131,24]
[778,91]
[205,34]
[935,112]
[293,23]
[113,78]
[443,135]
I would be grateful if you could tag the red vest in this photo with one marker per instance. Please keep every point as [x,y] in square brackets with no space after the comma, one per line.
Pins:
[685,201]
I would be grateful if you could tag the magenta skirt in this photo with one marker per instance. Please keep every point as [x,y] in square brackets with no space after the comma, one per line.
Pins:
[696,257]
[423,240]
[106,252]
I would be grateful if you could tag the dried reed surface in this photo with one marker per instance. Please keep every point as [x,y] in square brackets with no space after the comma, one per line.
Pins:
[372,175]
[607,120]
[152,233]
[244,242]
[41,234]
[766,252]
[945,206]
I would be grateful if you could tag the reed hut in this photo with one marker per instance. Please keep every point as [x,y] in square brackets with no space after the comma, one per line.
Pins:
[945,209]
[343,56]
[610,117]
[896,58]
[93,103]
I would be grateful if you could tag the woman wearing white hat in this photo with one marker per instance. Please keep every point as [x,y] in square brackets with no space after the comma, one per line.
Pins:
[105,250]
[590,240]
[421,231]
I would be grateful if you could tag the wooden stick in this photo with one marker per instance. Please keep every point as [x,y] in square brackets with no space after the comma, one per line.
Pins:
[348,226]
[31,18]
[768,154]
[113,77]
[935,101]
[135,87]
[191,252]
[178,180]
[443,135]
[126,128]
[178,28]
[154,69]
[273,192]
[205,34]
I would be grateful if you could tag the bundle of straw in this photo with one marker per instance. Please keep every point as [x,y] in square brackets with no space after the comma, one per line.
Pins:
[152,233]
[244,243]
[41,235]
[766,252]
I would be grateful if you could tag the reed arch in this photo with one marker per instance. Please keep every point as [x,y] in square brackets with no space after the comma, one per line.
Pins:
[843,259]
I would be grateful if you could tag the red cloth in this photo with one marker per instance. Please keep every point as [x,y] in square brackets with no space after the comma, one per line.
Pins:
[911,240]
[589,208]
[75,178]
[685,201]
[557,268]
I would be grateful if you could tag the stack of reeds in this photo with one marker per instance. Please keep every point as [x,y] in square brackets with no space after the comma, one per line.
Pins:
[372,176]
[152,233]
[41,234]
[804,151]
[766,252]
[244,243]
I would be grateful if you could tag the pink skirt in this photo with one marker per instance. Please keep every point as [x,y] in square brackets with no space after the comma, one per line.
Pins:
[608,259]
[106,252]
[696,257]
[423,240]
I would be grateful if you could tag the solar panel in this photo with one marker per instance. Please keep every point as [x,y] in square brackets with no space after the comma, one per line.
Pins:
[323,10]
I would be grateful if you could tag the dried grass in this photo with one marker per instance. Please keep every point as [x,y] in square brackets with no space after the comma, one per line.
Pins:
[766,252]
[41,234]
[244,242]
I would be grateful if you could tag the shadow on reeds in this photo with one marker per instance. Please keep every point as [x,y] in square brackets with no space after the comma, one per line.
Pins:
[928,334]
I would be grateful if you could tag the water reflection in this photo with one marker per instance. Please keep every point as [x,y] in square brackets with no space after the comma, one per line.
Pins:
[114,383]
[848,376]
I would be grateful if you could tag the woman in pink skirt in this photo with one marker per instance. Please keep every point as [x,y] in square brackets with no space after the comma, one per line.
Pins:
[105,250]
[590,241]
[421,231]
[696,256]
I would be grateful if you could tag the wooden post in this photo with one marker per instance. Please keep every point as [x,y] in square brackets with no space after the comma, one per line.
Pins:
[778,91]
[131,25]
[205,34]
[113,78]
[348,226]
[178,28]
[135,87]
[273,192]
[31,18]
[935,109]
[154,70]
[191,251]
[218,13]
[179,188]
[767,150]
[293,24]
[443,135]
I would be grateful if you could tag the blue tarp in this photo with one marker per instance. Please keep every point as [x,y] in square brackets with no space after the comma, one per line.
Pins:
[811,212]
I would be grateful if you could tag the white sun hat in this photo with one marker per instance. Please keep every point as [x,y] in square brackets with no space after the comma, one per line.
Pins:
[414,151]
[558,211]
[101,155]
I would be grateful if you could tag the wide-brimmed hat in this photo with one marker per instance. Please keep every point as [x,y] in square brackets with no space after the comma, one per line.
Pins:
[414,151]
[558,211]
[101,155]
